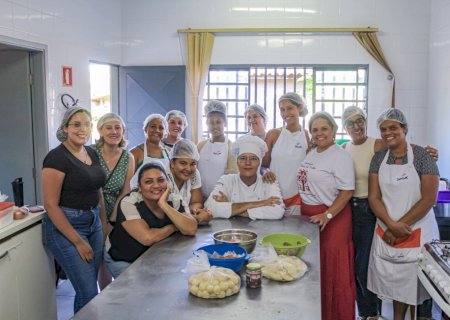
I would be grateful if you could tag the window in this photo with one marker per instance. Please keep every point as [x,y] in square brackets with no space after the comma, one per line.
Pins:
[326,88]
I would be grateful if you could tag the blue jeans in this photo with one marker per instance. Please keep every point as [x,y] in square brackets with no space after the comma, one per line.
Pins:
[82,275]
[363,221]
[115,267]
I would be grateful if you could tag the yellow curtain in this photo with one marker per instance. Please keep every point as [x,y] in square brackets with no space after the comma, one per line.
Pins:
[370,42]
[199,51]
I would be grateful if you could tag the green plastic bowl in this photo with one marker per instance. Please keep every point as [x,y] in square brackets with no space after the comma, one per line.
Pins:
[287,244]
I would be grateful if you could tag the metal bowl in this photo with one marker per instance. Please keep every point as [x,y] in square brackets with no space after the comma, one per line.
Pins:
[243,238]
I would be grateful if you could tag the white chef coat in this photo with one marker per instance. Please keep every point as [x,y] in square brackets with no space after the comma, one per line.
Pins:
[237,192]
[321,175]
[212,164]
[164,161]
[392,271]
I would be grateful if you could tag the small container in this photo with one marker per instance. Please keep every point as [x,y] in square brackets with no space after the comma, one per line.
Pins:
[253,275]
[6,214]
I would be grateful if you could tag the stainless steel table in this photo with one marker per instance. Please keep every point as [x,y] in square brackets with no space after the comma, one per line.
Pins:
[154,287]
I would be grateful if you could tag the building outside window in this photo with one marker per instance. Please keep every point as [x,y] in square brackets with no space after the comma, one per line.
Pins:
[329,88]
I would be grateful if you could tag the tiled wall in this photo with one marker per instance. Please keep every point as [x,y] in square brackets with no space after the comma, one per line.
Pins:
[75,32]
[438,107]
[142,32]
[149,30]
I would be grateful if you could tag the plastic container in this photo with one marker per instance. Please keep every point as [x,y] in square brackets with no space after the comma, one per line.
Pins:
[6,214]
[287,244]
[443,196]
[234,264]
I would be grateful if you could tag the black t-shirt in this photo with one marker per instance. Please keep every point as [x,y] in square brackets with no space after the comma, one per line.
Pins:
[123,246]
[80,188]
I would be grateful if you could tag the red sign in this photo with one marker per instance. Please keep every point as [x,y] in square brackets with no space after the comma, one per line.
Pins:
[67,76]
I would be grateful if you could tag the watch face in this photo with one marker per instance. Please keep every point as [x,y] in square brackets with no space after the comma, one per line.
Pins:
[329,215]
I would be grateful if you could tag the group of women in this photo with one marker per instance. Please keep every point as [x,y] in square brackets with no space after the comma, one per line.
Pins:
[130,200]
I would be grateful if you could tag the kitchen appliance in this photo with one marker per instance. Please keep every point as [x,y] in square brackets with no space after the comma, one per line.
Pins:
[434,272]
[442,213]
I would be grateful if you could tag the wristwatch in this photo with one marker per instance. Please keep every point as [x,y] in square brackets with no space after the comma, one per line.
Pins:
[329,215]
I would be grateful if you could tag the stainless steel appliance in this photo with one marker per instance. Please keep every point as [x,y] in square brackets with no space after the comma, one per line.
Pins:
[434,272]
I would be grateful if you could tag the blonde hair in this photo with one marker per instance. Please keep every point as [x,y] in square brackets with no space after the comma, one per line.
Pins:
[105,119]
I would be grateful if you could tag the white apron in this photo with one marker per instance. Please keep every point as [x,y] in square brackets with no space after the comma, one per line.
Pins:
[212,164]
[287,153]
[392,271]
[164,161]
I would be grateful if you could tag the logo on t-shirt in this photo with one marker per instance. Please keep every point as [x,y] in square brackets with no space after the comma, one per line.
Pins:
[217,153]
[404,176]
[302,180]
[298,145]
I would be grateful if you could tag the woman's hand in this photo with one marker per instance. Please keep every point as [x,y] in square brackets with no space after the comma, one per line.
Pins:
[202,215]
[85,251]
[269,177]
[432,152]
[320,219]
[271,201]
[389,237]
[164,197]
[399,229]
[221,197]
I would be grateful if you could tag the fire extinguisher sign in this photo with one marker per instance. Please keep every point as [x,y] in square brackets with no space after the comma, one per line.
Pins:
[67,76]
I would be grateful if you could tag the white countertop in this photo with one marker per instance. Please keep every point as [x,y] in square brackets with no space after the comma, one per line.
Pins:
[18,225]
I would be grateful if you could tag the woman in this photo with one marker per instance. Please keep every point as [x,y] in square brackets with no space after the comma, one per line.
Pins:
[403,184]
[326,182]
[119,167]
[141,224]
[362,148]
[287,149]
[256,118]
[177,123]
[72,178]
[155,128]
[115,160]
[185,180]
[216,156]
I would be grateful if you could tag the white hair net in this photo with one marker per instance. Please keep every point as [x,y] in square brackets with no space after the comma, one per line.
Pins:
[326,116]
[61,135]
[185,149]
[176,114]
[250,144]
[215,106]
[109,117]
[257,108]
[392,114]
[352,111]
[152,117]
[297,100]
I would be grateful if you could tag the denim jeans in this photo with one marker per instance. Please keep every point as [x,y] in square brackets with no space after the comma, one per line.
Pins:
[82,275]
[115,267]
[363,221]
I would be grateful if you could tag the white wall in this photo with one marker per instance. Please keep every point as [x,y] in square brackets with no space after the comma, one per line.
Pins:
[149,32]
[439,87]
[75,32]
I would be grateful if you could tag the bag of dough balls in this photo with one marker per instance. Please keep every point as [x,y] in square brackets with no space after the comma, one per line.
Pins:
[278,268]
[211,282]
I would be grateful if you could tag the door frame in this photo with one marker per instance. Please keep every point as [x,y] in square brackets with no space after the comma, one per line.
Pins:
[38,65]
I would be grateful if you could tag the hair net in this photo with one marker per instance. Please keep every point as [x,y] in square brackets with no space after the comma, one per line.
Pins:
[109,117]
[184,149]
[215,106]
[250,144]
[257,108]
[176,114]
[61,135]
[323,115]
[352,111]
[297,100]
[392,114]
[152,117]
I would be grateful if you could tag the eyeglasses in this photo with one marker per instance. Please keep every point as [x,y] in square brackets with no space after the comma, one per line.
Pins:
[79,125]
[244,159]
[351,124]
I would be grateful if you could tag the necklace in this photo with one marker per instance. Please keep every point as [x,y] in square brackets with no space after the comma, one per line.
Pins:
[77,155]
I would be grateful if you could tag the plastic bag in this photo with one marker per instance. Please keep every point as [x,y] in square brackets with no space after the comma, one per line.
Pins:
[278,268]
[210,282]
